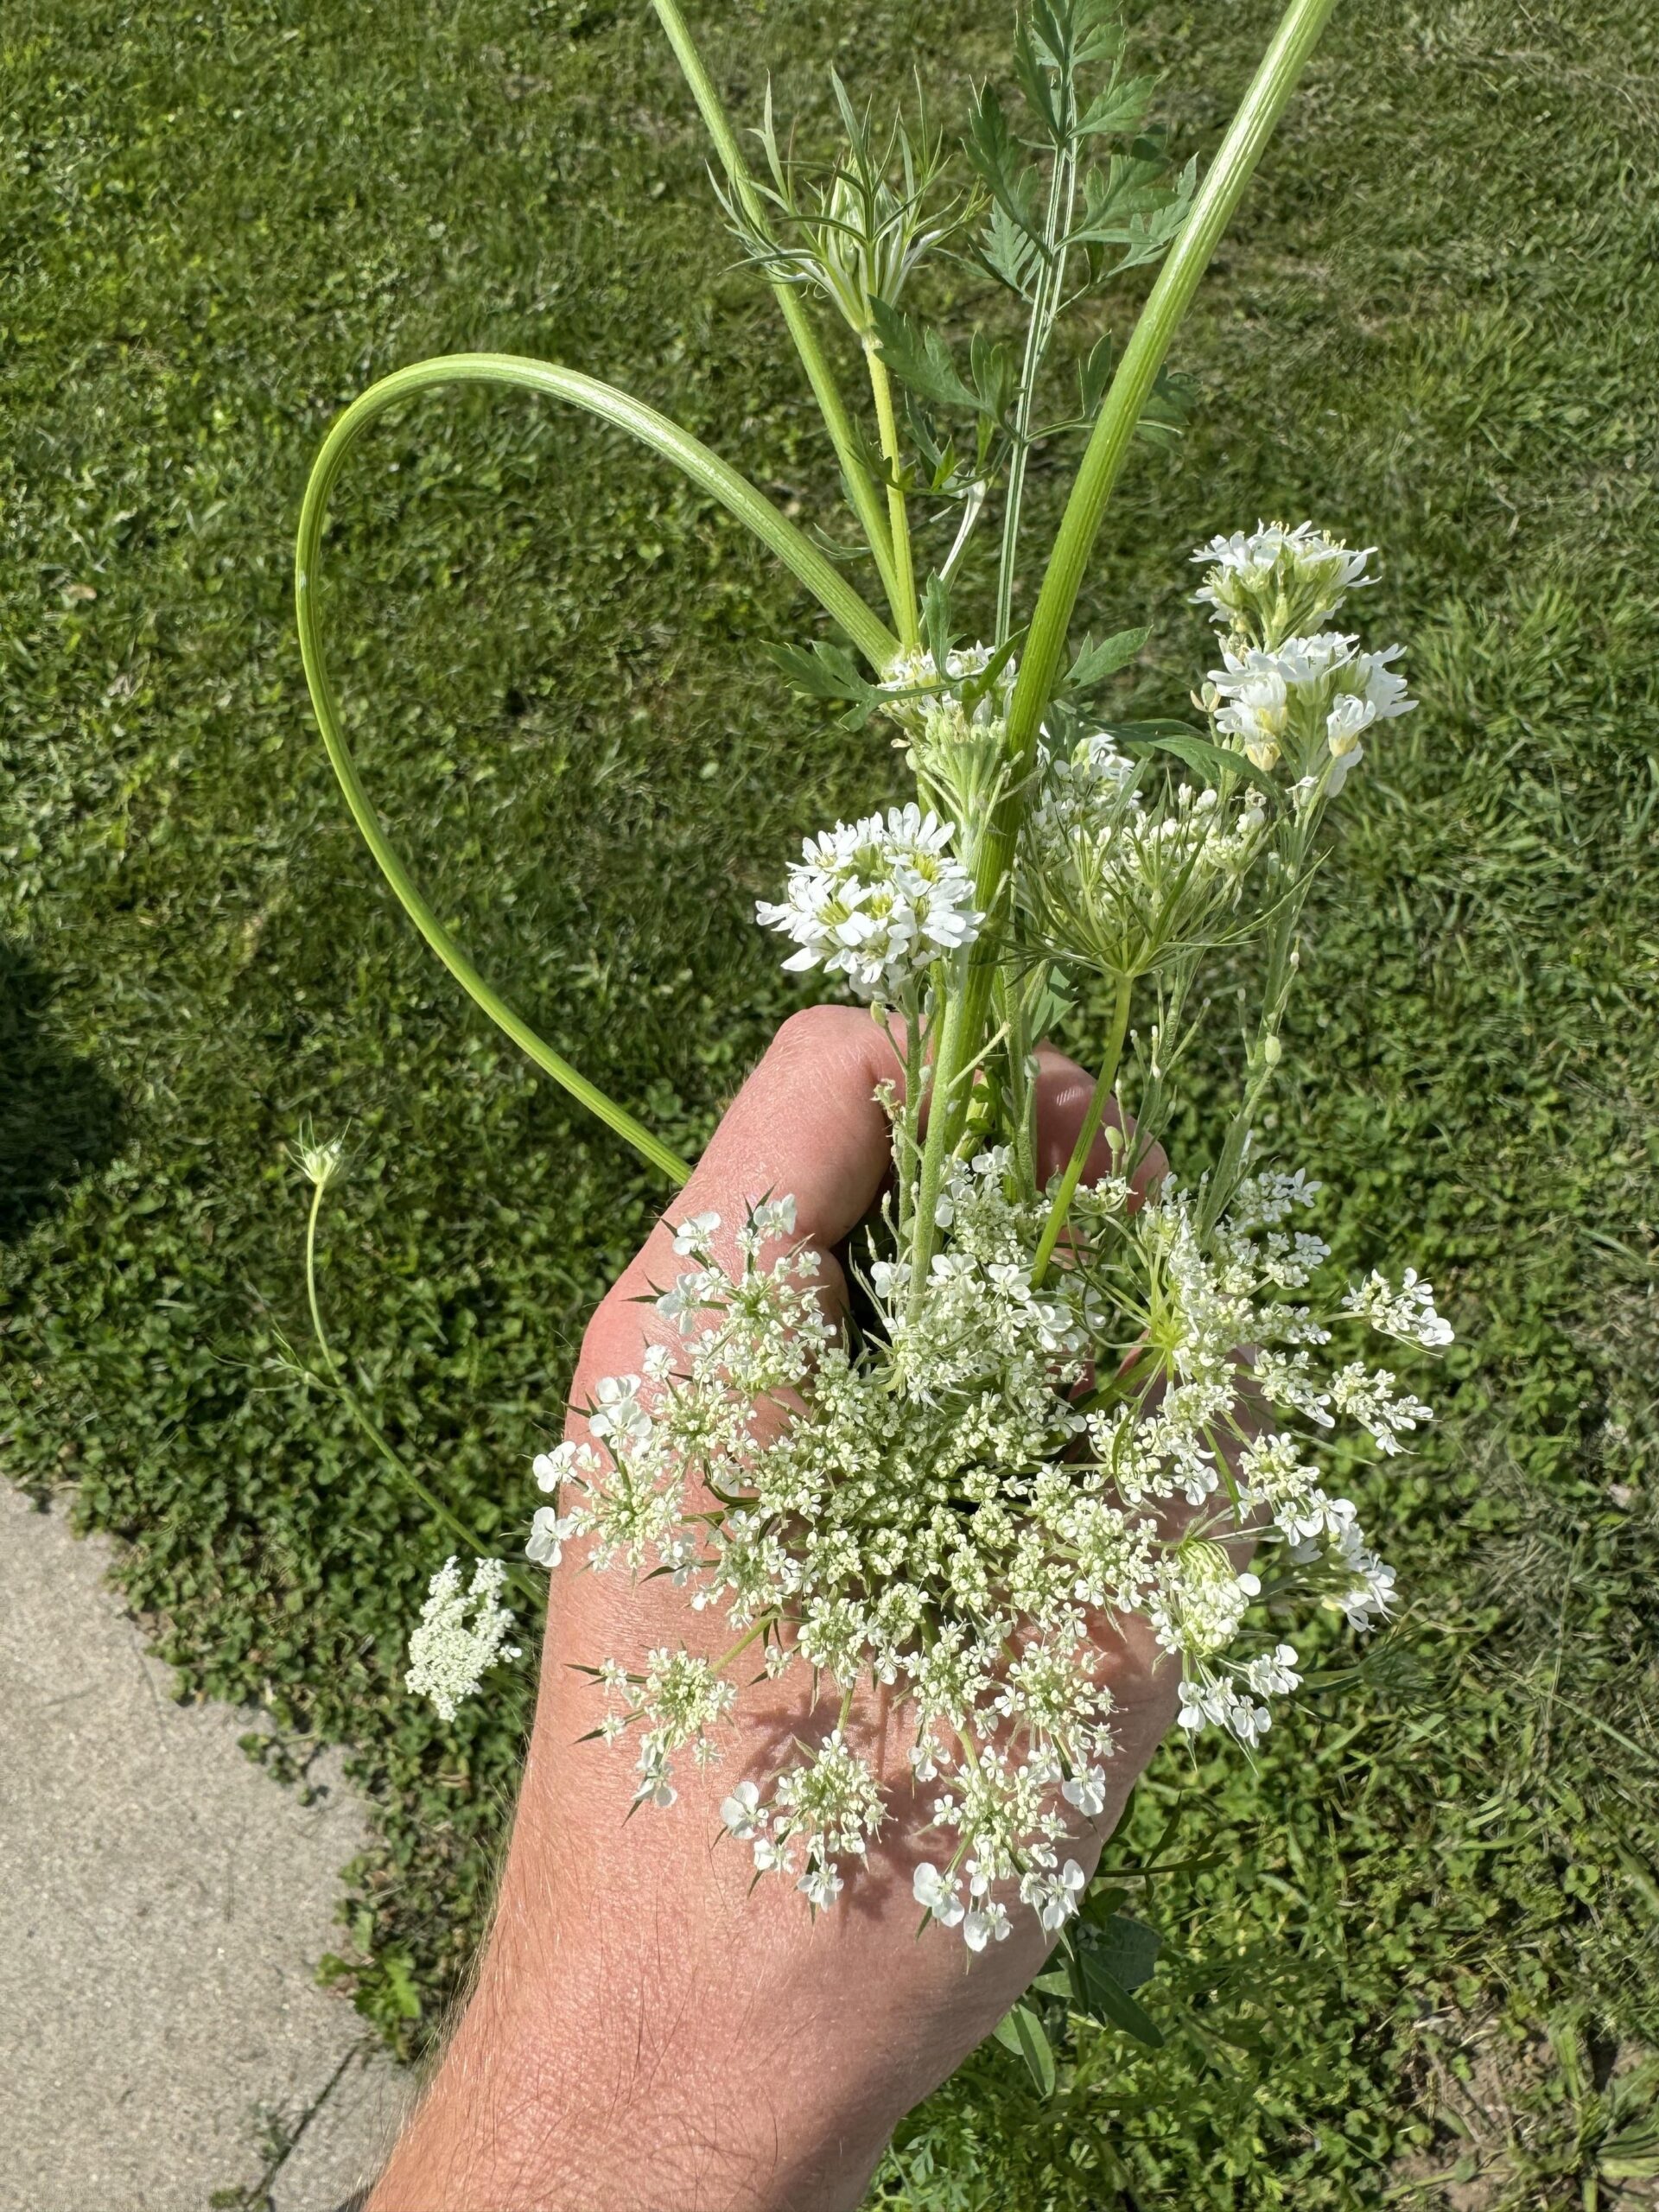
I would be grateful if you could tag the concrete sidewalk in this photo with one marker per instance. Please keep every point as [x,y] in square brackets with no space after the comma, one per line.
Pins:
[162,1905]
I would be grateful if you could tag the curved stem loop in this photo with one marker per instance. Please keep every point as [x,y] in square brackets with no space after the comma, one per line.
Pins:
[705,469]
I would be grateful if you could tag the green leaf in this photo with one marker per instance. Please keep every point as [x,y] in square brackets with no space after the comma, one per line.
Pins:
[1631,2154]
[1094,373]
[1128,1949]
[1022,2032]
[1029,68]
[1098,1991]
[1009,251]
[1044,1013]
[1120,107]
[920,357]
[1214,760]
[993,153]
[824,672]
[1094,663]
[991,365]
[936,621]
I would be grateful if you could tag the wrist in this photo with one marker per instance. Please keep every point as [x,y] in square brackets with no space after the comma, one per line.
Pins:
[612,2060]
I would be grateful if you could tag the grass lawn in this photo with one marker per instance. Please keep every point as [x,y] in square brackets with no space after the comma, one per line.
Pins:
[1416,1959]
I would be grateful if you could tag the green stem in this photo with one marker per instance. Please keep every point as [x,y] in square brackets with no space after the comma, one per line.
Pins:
[737,1650]
[1074,1166]
[819,374]
[1108,444]
[1044,309]
[952,1055]
[1263,1058]
[705,469]
[897,521]
[909,1125]
[433,1504]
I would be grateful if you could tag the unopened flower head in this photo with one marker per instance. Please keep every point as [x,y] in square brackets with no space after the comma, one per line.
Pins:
[877,902]
[319,1162]
[855,231]
[1274,583]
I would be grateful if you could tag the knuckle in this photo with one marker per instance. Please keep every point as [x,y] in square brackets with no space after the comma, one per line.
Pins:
[813,1032]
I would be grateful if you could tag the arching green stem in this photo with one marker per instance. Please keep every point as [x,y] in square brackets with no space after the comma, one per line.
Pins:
[705,469]
[819,374]
[433,1504]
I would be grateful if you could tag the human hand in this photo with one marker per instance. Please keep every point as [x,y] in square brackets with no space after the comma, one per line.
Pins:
[652,2031]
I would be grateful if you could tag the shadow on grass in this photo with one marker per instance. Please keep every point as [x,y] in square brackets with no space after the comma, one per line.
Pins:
[59,1117]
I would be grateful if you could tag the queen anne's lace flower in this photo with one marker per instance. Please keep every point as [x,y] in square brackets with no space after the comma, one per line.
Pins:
[877,901]
[936,1516]
[450,1653]
[1015,1442]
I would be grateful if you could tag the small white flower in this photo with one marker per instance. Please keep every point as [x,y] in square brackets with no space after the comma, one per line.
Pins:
[1087,1791]
[821,1886]
[741,1813]
[877,901]
[1250,1723]
[983,1923]
[692,1235]
[774,1217]
[566,1463]
[937,1895]
[1274,1674]
[655,1788]
[618,1414]
[550,1532]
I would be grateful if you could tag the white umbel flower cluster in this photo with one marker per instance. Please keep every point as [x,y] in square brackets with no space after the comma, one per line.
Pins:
[1309,695]
[1279,580]
[450,1653]
[877,901]
[1288,690]
[953,1506]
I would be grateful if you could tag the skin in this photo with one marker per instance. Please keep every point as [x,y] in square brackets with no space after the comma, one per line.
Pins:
[649,2032]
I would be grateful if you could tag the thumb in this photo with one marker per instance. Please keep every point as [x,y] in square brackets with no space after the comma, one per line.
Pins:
[806,1125]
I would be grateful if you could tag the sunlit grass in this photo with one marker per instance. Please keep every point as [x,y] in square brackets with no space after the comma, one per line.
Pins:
[1435,329]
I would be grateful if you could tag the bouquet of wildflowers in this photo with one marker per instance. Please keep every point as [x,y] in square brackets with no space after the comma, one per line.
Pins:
[1057,1402]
